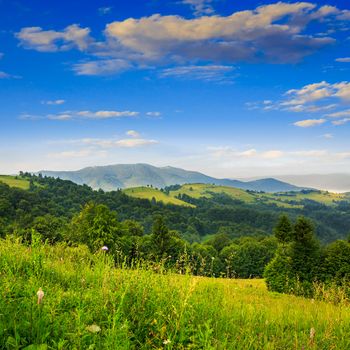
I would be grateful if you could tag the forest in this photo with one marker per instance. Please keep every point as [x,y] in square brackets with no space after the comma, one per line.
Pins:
[218,237]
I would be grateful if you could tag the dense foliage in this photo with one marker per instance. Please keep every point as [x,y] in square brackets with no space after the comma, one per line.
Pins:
[300,263]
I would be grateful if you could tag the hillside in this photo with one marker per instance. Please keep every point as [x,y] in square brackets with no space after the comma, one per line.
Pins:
[113,177]
[144,192]
[283,199]
[14,181]
[215,209]
[89,304]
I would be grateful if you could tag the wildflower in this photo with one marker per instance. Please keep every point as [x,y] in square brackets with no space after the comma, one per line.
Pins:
[94,328]
[166,342]
[104,248]
[312,333]
[40,294]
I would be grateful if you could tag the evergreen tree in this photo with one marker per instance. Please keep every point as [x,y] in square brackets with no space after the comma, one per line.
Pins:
[161,237]
[284,229]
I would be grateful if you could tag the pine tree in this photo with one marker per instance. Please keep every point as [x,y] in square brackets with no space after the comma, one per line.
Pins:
[283,230]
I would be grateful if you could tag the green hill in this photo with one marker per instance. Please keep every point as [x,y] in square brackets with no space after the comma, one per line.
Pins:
[113,177]
[15,181]
[149,193]
[284,199]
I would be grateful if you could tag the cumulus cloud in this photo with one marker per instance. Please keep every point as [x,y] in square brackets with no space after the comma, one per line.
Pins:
[321,97]
[39,39]
[308,123]
[244,35]
[275,33]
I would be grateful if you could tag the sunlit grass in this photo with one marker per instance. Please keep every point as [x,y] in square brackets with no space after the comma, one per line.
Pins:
[90,305]
[12,181]
[149,193]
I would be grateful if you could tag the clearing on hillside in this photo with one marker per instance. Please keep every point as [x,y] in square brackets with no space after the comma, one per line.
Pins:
[15,181]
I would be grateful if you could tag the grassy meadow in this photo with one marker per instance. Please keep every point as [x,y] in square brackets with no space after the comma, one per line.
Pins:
[284,200]
[144,192]
[88,304]
[12,181]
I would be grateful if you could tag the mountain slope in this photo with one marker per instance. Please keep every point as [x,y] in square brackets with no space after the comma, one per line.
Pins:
[112,177]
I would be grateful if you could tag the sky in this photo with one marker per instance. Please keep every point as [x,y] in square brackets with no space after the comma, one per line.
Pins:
[234,89]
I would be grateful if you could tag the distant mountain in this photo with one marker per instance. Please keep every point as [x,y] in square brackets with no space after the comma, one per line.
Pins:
[112,177]
[329,182]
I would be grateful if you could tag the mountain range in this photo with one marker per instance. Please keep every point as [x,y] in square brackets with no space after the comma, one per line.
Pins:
[113,177]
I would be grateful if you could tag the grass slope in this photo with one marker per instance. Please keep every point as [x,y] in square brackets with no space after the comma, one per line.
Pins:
[204,190]
[90,305]
[286,200]
[144,192]
[13,182]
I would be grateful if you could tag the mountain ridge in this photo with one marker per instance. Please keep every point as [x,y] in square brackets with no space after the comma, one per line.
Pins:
[113,177]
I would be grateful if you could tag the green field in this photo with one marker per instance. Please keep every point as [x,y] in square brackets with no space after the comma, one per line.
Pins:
[12,181]
[207,191]
[88,304]
[286,200]
[149,193]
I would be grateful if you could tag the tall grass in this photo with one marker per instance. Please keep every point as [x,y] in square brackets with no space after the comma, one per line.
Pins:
[88,304]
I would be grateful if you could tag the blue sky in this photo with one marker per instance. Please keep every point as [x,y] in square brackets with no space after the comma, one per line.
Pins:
[234,90]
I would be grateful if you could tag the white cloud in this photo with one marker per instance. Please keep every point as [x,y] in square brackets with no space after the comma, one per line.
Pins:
[38,39]
[341,121]
[226,151]
[343,59]
[274,33]
[200,7]
[307,123]
[240,36]
[312,98]
[54,102]
[62,116]
[216,73]
[107,114]
[101,67]
[340,114]
[154,114]
[4,75]
[274,154]
[328,136]
[133,133]
[135,142]
[74,115]
[105,10]
[132,142]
